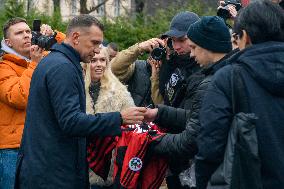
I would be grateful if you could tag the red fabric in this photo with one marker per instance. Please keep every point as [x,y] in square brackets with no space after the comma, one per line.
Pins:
[99,153]
[132,144]
[153,168]
[245,3]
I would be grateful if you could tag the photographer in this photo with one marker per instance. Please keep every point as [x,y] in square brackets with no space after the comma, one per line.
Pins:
[19,60]
[176,87]
[136,73]
[173,72]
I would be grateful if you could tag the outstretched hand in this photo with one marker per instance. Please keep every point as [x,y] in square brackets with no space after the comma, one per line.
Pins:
[150,115]
[133,115]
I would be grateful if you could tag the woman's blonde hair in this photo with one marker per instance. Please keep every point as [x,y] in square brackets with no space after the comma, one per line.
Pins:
[108,80]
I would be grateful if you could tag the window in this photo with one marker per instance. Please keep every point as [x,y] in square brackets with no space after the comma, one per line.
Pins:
[116,7]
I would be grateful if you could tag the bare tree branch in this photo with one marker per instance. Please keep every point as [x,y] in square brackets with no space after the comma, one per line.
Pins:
[85,10]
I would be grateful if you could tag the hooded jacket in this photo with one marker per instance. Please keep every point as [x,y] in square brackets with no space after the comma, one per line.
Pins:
[15,77]
[262,70]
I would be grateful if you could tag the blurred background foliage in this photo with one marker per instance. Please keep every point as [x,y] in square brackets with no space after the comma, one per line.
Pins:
[125,31]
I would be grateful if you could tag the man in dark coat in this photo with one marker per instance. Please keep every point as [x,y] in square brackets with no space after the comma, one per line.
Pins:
[53,150]
[211,53]
[260,62]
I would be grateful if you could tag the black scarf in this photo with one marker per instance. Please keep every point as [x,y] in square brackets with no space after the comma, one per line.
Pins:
[94,90]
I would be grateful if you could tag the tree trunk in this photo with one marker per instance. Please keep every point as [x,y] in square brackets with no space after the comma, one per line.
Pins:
[56,5]
[83,7]
[139,6]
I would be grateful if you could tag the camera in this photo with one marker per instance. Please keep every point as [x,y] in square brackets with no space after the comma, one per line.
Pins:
[160,52]
[42,41]
[223,11]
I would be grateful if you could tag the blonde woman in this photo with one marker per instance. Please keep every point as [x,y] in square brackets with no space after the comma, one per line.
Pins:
[104,93]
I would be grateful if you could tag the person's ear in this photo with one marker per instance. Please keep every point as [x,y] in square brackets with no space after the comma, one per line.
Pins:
[75,38]
[246,37]
[8,43]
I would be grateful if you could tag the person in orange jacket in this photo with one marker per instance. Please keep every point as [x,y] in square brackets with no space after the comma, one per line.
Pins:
[17,65]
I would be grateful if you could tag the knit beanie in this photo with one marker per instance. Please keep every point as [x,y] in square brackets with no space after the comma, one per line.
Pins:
[211,33]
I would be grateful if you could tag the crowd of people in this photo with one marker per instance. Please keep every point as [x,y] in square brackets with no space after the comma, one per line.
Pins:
[66,110]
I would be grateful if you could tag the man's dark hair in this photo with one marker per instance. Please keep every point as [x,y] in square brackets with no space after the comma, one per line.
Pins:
[262,20]
[10,23]
[82,21]
[113,46]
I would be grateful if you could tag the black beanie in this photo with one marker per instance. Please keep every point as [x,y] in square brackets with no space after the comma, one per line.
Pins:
[211,33]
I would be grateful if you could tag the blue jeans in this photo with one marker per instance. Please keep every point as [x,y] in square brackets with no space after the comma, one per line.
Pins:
[8,160]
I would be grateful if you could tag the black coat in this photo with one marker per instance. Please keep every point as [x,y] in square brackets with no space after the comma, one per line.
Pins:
[53,150]
[262,69]
[173,79]
[139,85]
[186,121]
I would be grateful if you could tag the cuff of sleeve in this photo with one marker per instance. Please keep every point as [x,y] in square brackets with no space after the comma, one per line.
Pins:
[121,120]
[139,50]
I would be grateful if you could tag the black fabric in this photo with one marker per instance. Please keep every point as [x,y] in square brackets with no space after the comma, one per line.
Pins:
[53,149]
[262,72]
[139,85]
[241,165]
[121,151]
[183,144]
[175,86]
[94,90]
[183,124]
[211,33]
[166,69]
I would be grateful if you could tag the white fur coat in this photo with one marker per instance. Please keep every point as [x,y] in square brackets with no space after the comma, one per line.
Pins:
[113,96]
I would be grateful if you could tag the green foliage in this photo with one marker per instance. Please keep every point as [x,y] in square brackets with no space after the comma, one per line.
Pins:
[13,9]
[16,9]
[127,31]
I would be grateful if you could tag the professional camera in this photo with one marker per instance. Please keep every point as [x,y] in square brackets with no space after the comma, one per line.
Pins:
[223,11]
[160,52]
[42,41]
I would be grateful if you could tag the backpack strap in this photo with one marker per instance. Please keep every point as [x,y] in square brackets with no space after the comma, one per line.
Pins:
[240,101]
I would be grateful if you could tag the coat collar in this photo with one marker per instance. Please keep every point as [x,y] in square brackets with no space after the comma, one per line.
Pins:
[69,52]
[16,60]
[214,67]
[9,50]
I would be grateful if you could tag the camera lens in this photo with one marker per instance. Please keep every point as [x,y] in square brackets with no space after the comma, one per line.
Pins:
[158,53]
